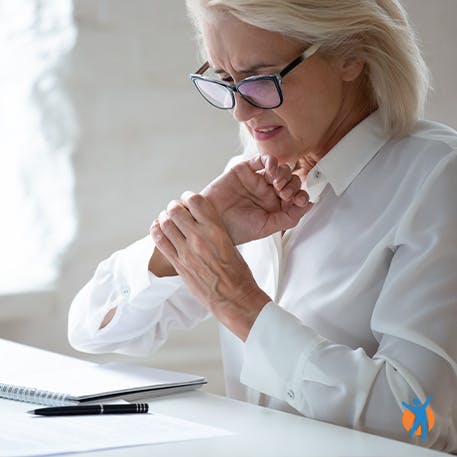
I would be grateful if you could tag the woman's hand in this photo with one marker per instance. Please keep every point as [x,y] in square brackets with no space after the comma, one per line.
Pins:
[256,198]
[192,237]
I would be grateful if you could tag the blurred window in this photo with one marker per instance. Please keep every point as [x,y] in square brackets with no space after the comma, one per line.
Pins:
[37,136]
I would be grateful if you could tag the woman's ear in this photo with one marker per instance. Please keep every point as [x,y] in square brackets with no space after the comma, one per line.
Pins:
[351,68]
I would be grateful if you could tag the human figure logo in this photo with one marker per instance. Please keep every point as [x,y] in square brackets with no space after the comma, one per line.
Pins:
[418,419]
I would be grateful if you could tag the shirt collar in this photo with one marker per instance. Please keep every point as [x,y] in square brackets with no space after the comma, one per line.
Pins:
[341,165]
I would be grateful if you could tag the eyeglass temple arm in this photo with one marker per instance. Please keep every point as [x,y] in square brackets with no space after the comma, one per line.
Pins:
[202,69]
[308,53]
[311,50]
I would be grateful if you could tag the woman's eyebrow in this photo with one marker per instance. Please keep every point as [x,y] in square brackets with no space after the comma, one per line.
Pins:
[249,70]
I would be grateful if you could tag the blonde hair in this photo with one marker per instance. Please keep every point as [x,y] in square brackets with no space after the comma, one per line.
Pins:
[377,31]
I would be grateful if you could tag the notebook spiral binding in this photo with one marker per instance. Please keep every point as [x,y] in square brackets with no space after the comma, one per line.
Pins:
[32,395]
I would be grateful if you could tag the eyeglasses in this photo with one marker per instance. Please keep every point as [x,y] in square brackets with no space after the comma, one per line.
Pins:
[260,91]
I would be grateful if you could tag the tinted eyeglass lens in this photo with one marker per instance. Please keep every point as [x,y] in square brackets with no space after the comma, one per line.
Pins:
[261,92]
[215,93]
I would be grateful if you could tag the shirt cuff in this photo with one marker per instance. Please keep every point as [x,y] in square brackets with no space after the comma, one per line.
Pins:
[132,269]
[135,290]
[277,346]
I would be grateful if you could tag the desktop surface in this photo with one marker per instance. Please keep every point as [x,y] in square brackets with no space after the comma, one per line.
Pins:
[257,432]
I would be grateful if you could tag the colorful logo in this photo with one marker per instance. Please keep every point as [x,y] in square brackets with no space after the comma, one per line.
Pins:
[418,419]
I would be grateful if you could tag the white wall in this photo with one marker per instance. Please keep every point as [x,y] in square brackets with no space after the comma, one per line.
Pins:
[146,137]
[435,23]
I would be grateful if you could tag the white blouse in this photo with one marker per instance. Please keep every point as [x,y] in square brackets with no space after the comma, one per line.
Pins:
[364,292]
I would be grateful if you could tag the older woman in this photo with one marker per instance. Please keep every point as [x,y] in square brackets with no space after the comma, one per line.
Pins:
[339,301]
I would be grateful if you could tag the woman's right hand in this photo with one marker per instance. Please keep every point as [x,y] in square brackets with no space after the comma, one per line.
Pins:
[257,198]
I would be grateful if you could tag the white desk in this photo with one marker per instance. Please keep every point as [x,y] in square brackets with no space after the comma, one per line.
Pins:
[258,431]
[265,432]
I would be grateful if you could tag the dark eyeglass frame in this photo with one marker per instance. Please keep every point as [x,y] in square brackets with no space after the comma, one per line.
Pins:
[275,78]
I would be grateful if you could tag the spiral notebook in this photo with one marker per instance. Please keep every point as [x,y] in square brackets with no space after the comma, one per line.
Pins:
[29,374]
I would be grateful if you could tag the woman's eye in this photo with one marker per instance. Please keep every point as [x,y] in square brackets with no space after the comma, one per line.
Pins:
[227,79]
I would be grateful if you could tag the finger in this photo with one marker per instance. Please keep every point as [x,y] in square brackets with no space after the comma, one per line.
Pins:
[249,170]
[162,242]
[171,231]
[292,213]
[256,164]
[295,212]
[283,176]
[265,165]
[301,199]
[291,188]
[271,165]
[186,194]
[200,208]
[181,216]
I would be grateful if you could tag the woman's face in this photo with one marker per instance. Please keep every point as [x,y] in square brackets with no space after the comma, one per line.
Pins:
[317,93]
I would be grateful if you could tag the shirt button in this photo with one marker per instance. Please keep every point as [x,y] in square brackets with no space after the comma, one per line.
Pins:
[291,394]
[125,291]
[317,174]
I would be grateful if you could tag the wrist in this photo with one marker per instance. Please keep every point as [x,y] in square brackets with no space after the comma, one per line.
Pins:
[160,266]
[248,308]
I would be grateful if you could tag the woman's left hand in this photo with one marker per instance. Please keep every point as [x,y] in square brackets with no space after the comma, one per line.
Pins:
[192,236]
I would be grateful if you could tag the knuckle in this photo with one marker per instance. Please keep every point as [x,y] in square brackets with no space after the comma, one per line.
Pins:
[167,224]
[172,204]
[160,240]
[174,209]
[196,200]
[186,194]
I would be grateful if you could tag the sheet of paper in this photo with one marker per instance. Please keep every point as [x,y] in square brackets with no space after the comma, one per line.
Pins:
[27,435]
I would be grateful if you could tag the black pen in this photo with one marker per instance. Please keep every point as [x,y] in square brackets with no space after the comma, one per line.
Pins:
[130,408]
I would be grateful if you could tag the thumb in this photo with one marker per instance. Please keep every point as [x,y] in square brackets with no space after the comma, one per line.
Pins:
[264,165]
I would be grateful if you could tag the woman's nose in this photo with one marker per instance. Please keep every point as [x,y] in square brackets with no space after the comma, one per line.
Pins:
[243,111]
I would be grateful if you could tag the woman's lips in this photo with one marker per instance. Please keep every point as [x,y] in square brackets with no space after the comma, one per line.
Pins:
[266,133]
